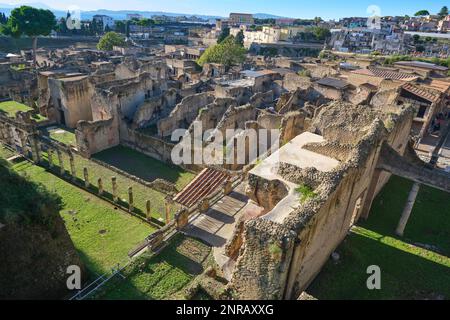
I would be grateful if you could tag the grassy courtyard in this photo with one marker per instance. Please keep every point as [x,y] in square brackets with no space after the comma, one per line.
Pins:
[141,193]
[10,108]
[102,235]
[162,276]
[416,266]
[63,135]
[143,166]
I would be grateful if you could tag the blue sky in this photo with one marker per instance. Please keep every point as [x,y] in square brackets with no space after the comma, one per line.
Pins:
[327,9]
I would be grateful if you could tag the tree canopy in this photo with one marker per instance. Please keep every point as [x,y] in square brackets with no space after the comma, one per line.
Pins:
[223,35]
[109,40]
[239,39]
[422,13]
[29,21]
[443,12]
[228,53]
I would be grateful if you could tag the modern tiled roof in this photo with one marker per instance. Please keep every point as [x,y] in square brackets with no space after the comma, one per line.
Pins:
[430,95]
[334,83]
[421,64]
[205,183]
[386,74]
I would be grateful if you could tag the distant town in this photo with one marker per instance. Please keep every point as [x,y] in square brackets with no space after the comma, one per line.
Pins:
[249,157]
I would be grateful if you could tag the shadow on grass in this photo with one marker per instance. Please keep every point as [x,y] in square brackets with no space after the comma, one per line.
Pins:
[404,275]
[139,164]
[157,277]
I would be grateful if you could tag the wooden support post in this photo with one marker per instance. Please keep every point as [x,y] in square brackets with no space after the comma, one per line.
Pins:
[407,210]
[86,178]
[100,186]
[114,189]
[130,199]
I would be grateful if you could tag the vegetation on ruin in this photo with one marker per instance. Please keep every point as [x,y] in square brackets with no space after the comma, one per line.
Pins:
[10,108]
[109,40]
[63,135]
[102,235]
[304,73]
[227,53]
[413,267]
[305,193]
[163,276]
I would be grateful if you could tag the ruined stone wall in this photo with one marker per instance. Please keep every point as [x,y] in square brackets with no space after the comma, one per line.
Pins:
[241,94]
[321,222]
[210,115]
[155,108]
[73,97]
[262,267]
[235,118]
[96,136]
[293,81]
[184,113]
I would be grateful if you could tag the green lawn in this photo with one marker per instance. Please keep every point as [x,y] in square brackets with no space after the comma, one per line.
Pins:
[161,276]
[143,166]
[141,193]
[102,235]
[10,108]
[63,135]
[408,271]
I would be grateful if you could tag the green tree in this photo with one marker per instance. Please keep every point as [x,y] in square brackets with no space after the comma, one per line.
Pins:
[422,13]
[444,12]
[120,26]
[109,40]
[145,22]
[239,39]
[228,53]
[223,35]
[321,33]
[31,22]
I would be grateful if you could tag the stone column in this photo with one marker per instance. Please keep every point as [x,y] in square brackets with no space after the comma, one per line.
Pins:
[148,206]
[72,166]
[407,210]
[86,178]
[130,199]
[8,136]
[168,206]
[100,186]
[227,187]
[23,142]
[35,149]
[61,162]
[203,206]
[50,158]
[2,132]
[114,189]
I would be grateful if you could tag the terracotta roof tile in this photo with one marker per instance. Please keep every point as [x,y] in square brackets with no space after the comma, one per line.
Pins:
[422,92]
[386,74]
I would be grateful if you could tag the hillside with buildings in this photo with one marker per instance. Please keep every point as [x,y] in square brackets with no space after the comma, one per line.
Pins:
[252,158]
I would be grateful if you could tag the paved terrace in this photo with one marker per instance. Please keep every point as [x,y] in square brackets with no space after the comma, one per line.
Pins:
[294,154]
